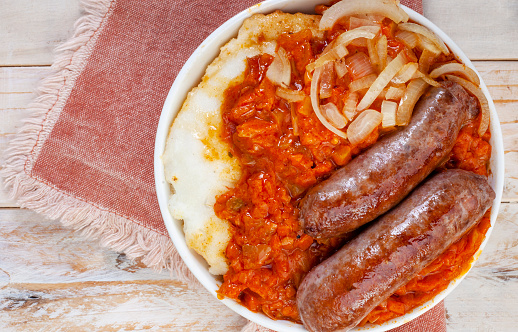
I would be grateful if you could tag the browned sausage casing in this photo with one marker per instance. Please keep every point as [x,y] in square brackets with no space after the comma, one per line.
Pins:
[338,293]
[382,176]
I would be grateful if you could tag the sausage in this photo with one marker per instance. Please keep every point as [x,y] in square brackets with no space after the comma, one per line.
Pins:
[382,176]
[338,293]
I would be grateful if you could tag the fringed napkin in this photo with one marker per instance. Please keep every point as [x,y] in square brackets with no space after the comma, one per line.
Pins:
[86,155]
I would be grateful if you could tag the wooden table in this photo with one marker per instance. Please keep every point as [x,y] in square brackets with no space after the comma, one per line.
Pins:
[52,279]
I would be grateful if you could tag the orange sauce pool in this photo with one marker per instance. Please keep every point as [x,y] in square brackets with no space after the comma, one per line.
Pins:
[284,150]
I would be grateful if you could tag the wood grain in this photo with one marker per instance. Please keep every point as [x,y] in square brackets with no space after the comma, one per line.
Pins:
[484,30]
[487,298]
[53,279]
[55,252]
[165,305]
[17,90]
[501,79]
[31,30]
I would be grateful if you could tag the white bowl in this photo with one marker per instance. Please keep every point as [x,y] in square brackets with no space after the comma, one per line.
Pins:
[190,76]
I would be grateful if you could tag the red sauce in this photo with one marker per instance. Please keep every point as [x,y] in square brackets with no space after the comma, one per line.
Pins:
[284,150]
[269,253]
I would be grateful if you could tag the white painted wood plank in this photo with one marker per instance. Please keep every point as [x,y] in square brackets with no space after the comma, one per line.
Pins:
[511,175]
[487,299]
[31,30]
[501,79]
[497,72]
[484,30]
[17,91]
[113,306]
[36,250]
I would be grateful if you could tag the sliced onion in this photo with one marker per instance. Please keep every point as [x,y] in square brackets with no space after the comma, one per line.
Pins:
[458,69]
[327,79]
[387,8]
[359,65]
[425,60]
[340,68]
[373,52]
[382,94]
[408,38]
[423,31]
[360,42]
[332,54]
[394,93]
[406,73]
[388,110]
[315,102]
[332,114]
[381,47]
[413,92]
[338,48]
[357,37]
[363,125]
[355,22]
[410,55]
[372,17]
[340,51]
[382,80]
[290,95]
[426,78]
[279,71]
[484,106]
[426,44]
[322,60]
[363,83]
[368,32]
[350,103]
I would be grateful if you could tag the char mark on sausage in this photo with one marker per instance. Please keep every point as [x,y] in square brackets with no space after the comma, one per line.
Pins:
[338,293]
[382,176]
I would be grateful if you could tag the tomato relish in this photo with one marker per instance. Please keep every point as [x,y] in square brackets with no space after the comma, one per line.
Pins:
[284,150]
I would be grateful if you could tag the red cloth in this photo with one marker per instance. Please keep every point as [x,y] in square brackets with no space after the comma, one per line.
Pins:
[434,320]
[87,156]
[416,5]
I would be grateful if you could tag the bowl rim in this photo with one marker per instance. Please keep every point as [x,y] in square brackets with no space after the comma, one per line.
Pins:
[195,67]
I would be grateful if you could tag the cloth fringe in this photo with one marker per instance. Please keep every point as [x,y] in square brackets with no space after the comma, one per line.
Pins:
[112,230]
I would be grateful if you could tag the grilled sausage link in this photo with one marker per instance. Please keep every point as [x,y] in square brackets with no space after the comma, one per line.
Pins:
[338,293]
[382,176]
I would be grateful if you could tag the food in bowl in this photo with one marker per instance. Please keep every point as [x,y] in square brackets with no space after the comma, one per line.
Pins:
[382,176]
[339,292]
[284,106]
[199,162]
